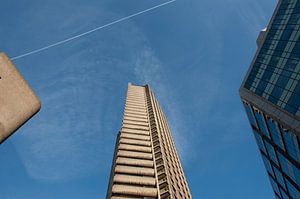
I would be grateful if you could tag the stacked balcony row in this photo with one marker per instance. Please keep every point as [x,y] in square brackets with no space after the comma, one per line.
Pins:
[163,185]
[134,175]
[171,180]
[175,174]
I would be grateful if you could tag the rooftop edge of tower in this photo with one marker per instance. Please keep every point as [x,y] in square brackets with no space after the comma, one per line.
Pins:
[130,84]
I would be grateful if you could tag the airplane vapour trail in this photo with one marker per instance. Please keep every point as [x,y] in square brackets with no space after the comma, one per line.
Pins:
[90,31]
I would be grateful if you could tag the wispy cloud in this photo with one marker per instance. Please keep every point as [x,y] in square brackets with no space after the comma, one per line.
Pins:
[67,138]
[78,36]
[253,21]
[203,82]
[150,70]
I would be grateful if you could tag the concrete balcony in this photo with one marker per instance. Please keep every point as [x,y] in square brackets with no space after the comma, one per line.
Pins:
[132,126]
[134,180]
[135,136]
[132,154]
[135,119]
[135,116]
[134,191]
[135,142]
[130,147]
[135,170]
[135,122]
[135,131]
[135,162]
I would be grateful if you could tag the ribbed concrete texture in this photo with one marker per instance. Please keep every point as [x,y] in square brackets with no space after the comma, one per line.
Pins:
[18,102]
[145,163]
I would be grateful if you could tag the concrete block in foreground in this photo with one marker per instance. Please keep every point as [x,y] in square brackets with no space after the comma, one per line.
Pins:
[18,102]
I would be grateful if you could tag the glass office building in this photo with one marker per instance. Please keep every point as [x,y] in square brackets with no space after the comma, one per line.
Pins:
[271,96]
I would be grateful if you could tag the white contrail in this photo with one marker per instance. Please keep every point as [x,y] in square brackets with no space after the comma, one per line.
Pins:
[90,31]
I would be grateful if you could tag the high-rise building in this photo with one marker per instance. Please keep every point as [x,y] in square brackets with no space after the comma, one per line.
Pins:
[271,96]
[145,163]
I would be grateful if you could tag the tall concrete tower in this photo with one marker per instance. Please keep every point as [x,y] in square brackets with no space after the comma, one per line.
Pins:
[145,163]
[271,97]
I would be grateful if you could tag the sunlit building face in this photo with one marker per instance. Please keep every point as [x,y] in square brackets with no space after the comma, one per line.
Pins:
[145,163]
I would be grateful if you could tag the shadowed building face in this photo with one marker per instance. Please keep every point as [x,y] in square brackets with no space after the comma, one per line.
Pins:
[271,97]
[145,164]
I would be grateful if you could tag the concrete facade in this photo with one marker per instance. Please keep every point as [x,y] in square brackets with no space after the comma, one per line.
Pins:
[18,102]
[145,163]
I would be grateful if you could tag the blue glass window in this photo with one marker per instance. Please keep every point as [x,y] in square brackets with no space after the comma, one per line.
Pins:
[291,170]
[250,115]
[274,185]
[281,34]
[290,109]
[271,152]
[261,87]
[292,190]
[261,123]
[279,177]
[267,165]
[277,92]
[297,88]
[292,146]
[294,102]
[275,132]
[283,194]
[259,141]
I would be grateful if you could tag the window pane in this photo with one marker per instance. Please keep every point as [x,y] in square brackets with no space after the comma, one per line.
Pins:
[267,165]
[275,132]
[283,194]
[292,190]
[250,115]
[279,177]
[291,170]
[292,145]
[259,141]
[274,185]
[261,123]
[271,152]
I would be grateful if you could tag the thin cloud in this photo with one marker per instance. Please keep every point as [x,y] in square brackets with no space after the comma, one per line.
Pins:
[61,42]
[65,140]
[149,70]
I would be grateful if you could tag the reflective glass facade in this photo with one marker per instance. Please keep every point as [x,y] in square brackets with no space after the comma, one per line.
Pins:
[275,73]
[271,96]
[280,152]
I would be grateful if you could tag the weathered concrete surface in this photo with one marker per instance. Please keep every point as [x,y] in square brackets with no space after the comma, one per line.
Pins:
[18,102]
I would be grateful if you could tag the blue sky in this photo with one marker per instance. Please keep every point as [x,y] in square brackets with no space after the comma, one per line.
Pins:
[193,53]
